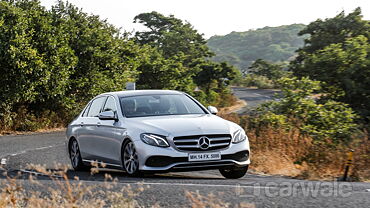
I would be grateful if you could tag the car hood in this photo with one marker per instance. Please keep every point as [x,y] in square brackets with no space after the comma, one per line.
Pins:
[182,125]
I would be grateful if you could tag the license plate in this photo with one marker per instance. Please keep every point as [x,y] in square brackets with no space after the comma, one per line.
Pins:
[204,156]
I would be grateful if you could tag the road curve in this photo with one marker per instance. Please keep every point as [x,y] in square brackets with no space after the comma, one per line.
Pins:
[253,96]
[168,190]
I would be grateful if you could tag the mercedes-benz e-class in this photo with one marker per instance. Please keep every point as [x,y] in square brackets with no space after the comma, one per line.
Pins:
[156,131]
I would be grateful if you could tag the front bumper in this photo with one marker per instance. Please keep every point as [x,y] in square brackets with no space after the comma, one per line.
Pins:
[165,163]
[169,159]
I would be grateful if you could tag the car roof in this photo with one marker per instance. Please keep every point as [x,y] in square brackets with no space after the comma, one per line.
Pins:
[129,93]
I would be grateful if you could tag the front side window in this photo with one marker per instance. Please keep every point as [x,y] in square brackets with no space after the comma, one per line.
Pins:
[159,105]
[110,105]
[96,106]
[86,111]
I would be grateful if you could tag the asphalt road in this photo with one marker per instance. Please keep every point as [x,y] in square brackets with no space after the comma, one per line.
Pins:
[254,97]
[168,190]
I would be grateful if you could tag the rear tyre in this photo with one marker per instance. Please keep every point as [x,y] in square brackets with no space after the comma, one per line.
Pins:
[75,156]
[234,172]
[130,159]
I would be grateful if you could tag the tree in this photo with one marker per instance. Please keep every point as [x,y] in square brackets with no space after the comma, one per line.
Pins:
[333,30]
[172,37]
[182,57]
[267,69]
[157,72]
[106,58]
[35,59]
[338,54]
[53,61]
[219,74]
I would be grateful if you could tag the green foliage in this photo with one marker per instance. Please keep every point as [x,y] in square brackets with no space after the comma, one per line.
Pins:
[54,61]
[333,30]
[156,72]
[106,59]
[172,37]
[241,49]
[267,69]
[321,120]
[263,74]
[252,80]
[337,53]
[33,55]
[179,59]
[210,73]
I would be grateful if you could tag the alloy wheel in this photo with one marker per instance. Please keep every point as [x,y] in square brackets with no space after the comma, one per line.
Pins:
[75,154]
[130,159]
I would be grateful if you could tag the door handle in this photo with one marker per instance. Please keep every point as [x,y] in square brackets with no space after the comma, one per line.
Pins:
[98,124]
[82,124]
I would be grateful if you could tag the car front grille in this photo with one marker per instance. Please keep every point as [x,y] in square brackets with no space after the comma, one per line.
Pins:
[191,143]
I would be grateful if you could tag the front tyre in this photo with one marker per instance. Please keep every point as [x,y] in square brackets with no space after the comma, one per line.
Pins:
[234,172]
[130,159]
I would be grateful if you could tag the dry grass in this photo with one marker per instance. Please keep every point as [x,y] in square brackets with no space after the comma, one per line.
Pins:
[238,104]
[24,122]
[330,163]
[66,193]
[200,201]
[276,151]
[43,130]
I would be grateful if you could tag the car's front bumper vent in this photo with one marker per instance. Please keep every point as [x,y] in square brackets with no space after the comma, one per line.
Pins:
[191,143]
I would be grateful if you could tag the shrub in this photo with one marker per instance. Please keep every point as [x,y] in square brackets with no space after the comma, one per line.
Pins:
[252,80]
[329,119]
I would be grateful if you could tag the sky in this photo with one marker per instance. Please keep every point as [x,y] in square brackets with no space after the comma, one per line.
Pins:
[219,17]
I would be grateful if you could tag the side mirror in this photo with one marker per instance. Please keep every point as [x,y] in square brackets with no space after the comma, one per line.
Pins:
[108,115]
[212,110]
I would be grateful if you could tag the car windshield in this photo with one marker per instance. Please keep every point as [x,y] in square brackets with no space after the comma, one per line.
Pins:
[159,105]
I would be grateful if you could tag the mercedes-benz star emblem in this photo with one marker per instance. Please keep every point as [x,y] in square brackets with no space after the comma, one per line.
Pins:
[203,142]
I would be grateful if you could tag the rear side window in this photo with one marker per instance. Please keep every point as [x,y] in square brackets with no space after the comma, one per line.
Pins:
[96,106]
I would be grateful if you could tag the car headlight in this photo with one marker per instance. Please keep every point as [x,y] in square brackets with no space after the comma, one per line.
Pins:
[155,140]
[239,136]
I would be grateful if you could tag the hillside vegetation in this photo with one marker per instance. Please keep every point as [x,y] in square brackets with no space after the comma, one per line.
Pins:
[323,108]
[275,44]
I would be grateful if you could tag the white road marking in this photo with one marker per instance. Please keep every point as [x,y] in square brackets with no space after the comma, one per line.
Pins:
[38,148]
[38,173]
[262,95]
[199,185]
[3,161]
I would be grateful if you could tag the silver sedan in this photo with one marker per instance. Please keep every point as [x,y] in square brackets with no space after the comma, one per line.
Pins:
[156,131]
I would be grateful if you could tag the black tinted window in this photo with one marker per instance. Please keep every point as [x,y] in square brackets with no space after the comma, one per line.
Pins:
[96,106]
[110,105]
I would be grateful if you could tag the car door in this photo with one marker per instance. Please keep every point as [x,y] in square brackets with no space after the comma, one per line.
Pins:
[108,145]
[88,135]
[80,128]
